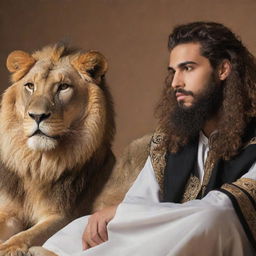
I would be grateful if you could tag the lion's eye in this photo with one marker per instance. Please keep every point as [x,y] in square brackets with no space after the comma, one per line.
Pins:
[29,86]
[63,87]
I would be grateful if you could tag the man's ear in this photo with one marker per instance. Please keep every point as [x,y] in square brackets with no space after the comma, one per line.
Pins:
[224,69]
[91,63]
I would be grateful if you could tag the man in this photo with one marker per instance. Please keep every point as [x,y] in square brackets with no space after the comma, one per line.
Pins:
[201,160]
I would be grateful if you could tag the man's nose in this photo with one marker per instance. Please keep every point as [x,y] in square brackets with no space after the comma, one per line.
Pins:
[177,80]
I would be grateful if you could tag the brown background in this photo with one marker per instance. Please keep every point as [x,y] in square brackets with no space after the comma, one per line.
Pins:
[132,34]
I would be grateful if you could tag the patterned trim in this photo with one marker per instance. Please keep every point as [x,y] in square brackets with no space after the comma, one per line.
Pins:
[243,195]
[248,185]
[194,186]
[208,168]
[252,141]
[158,153]
[158,157]
[192,189]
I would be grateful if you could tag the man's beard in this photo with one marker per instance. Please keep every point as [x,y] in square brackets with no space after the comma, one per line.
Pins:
[188,121]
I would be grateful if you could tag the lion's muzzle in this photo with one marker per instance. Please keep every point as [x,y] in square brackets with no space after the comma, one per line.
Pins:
[39,117]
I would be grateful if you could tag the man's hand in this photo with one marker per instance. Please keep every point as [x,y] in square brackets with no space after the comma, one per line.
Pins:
[96,230]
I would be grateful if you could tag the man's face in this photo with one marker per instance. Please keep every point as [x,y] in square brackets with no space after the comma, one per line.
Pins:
[192,73]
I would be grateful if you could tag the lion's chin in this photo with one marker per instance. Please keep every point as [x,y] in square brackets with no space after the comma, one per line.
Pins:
[42,143]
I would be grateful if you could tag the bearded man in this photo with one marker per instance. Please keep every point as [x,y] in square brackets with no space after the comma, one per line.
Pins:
[196,193]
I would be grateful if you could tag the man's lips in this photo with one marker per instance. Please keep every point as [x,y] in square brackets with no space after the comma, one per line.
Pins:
[180,96]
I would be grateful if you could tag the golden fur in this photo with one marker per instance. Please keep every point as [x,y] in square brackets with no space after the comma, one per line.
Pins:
[126,170]
[56,132]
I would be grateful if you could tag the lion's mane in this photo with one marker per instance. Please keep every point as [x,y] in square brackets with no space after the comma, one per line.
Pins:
[68,171]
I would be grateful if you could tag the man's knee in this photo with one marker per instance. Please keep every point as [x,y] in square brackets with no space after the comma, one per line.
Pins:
[218,221]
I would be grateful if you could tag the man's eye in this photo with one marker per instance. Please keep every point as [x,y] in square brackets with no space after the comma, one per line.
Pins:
[63,87]
[188,68]
[29,86]
[171,72]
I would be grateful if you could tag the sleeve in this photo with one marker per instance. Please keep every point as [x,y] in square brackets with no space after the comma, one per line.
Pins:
[238,196]
[145,188]
[242,194]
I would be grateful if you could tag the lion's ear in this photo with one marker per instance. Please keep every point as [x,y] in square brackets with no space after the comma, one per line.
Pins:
[19,62]
[92,63]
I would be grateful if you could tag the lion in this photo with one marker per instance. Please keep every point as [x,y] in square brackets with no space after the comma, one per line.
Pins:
[125,171]
[56,131]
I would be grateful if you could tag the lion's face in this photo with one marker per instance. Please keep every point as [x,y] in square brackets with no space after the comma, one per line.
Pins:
[51,102]
[52,95]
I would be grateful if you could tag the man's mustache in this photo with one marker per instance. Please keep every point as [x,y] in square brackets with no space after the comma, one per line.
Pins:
[180,90]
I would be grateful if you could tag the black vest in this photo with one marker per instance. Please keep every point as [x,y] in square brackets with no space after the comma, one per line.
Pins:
[180,166]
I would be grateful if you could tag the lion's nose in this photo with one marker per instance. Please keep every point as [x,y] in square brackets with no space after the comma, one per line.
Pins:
[39,117]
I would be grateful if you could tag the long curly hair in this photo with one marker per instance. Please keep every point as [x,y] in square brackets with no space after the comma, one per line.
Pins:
[239,91]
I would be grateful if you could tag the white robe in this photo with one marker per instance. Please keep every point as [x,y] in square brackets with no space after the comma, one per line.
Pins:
[143,226]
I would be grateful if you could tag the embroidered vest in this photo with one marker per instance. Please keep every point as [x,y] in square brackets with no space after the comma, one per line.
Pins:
[175,172]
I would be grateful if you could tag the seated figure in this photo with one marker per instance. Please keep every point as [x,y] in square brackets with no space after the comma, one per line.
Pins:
[196,193]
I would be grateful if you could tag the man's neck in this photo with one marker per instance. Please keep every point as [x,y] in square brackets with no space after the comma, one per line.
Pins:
[210,126]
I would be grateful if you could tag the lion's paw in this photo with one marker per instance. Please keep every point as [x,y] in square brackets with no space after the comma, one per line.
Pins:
[14,250]
[40,251]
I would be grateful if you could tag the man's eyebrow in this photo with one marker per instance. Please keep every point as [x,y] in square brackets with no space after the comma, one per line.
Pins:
[182,64]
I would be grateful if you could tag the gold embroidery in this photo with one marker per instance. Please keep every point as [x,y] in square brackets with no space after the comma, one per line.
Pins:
[158,160]
[244,203]
[194,186]
[247,184]
[157,154]
[192,189]
[208,168]
[251,142]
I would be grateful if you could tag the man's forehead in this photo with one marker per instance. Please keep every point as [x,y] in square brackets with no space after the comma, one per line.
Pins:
[187,52]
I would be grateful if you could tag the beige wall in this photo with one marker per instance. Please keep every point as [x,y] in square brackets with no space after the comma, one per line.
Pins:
[132,34]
